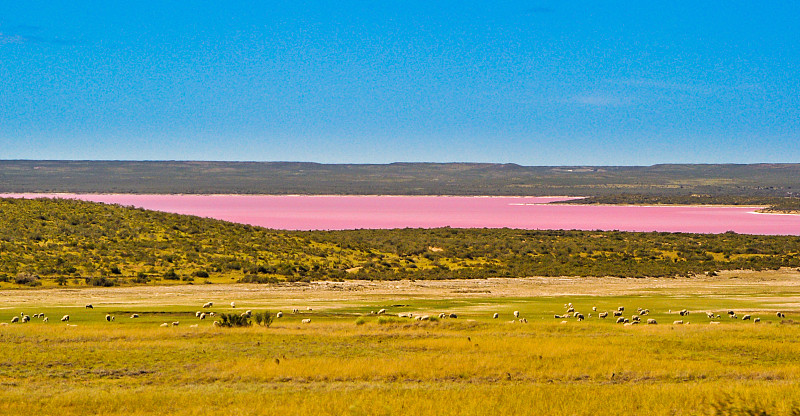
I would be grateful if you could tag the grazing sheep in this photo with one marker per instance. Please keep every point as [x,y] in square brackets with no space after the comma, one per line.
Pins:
[308,308]
[208,305]
[603,314]
[47,319]
[402,315]
[249,313]
[215,323]
[756,320]
[26,318]
[557,316]
[644,312]
[651,321]
[617,313]
[496,315]
[134,316]
[571,309]
[233,304]
[202,316]
[176,323]
[635,318]
[621,308]
[424,318]
[65,318]
[780,315]
[677,322]
[15,319]
[579,316]
[382,311]
[731,313]
[306,321]
[454,316]
[197,314]
[523,320]
[279,314]
[746,318]
[36,315]
[442,315]
[594,308]
[211,314]
[710,315]
[295,310]
[684,313]
[164,325]
[89,306]
[620,320]
[516,314]
[734,316]
[108,318]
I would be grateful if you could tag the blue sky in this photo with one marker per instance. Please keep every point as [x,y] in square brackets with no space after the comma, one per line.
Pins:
[529,82]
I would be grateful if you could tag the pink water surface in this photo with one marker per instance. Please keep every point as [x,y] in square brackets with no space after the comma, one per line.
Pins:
[349,212]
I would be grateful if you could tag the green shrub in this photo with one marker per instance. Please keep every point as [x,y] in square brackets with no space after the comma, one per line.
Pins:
[101,281]
[26,278]
[263,318]
[360,320]
[230,320]
[201,273]
[171,275]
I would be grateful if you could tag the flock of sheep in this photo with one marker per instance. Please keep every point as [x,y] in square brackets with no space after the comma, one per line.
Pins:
[618,314]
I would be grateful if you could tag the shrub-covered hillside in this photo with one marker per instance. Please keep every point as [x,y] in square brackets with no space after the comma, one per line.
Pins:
[71,242]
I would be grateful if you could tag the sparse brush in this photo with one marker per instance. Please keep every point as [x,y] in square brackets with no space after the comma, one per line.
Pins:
[230,320]
[263,318]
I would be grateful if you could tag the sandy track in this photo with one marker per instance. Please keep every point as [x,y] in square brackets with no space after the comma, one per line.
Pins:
[770,284]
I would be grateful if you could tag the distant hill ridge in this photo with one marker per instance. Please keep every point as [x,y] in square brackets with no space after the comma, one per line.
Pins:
[401,178]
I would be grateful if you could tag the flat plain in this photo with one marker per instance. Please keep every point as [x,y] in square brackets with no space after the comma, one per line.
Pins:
[348,360]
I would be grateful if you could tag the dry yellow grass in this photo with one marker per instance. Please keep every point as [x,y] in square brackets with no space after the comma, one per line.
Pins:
[470,365]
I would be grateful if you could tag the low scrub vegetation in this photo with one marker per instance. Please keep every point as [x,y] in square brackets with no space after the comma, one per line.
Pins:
[66,242]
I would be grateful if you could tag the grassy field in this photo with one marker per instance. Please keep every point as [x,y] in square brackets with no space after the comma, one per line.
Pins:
[349,361]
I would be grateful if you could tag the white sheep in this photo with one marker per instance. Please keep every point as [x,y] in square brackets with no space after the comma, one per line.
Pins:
[621,308]
[594,308]
[620,320]
[651,321]
[15,319]
[382,311]
[233,304]
[208,305]
[47,319]
[108,318]
[603,314]
[746,318]
[757,320]
[65,318]
[496,315]
[164,325]
[442,315]
[279,314]
[134,316]
[202,316]
[306,321]
[677,322]
[176,323]
[516,314]
[197,314]
[26,318]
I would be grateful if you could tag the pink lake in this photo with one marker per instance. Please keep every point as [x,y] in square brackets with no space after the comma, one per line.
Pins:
[350,212]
